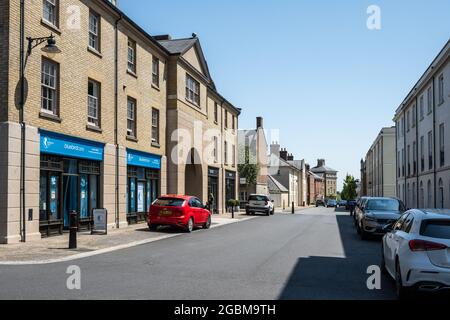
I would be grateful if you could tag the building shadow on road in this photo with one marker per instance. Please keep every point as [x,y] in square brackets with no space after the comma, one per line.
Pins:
[339,278]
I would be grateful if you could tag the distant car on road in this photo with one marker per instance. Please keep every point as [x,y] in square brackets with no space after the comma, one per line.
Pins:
[331,203]
[342,203]
[375,214]
[320,202]
[416,251]
[350,204]
[186,212]
[259,203]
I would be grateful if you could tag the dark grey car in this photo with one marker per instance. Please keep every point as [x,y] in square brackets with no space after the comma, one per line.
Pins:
[376,214]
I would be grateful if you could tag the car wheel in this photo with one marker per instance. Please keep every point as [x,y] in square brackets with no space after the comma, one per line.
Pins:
[153,227]
[402,292]
[190,225]
[273,211]
[207,224]
[268,213]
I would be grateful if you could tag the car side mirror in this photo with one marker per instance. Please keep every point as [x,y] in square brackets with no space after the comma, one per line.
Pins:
[388,228]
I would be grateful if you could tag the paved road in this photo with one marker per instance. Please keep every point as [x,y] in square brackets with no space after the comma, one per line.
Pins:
[311,255]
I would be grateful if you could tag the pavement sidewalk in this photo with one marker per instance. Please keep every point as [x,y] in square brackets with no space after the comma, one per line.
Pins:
[53,250]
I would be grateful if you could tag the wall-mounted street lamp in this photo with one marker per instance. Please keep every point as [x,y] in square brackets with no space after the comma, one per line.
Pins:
[51,50]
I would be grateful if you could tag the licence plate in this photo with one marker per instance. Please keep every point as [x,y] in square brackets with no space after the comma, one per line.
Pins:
[165,212]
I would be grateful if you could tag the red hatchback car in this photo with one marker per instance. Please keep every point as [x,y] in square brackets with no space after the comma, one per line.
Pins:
[186,212]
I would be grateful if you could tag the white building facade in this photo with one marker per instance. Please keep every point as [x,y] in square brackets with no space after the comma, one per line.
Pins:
[423,138]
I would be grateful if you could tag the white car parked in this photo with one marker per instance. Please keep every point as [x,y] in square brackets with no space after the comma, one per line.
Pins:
[416,251]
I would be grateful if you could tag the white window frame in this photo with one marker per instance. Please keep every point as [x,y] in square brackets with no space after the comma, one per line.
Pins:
[155,125]
[131,117]
[49,86]
[192,90]
[50,9]
[131,56]
[94,103]
[441,89]
[155,72]
[94,31]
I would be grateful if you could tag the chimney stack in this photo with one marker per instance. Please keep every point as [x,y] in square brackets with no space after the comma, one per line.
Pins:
[162,37]
[275,149]
[291,157]
[284,154]
[259,123]
[321,163]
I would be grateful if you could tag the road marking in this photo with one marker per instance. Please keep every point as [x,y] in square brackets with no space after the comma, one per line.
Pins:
[115,248]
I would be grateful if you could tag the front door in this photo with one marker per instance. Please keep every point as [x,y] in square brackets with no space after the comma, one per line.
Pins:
[213,190]
[70,201]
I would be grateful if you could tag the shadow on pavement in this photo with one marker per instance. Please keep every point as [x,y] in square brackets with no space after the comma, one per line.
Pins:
[339,278]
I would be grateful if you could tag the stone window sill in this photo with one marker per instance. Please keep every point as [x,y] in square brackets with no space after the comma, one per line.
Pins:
[132,73]
[156,145]
[94,51]
[133,139]
[154,86]
[49,116]
[51,26]
[94,128]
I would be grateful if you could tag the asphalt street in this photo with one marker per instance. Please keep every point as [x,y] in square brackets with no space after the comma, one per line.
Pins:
[314,254]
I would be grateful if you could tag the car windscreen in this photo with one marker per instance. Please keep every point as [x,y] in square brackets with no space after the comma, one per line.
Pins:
[169,202]
[436,229]
[258,198]
[383,205]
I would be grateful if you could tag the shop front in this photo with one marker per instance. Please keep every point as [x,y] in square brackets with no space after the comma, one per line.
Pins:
[230,186]
[143,183]
[213,189]
[69,181]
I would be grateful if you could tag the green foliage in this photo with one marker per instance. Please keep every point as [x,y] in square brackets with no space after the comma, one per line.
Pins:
[248,167]
[349,190]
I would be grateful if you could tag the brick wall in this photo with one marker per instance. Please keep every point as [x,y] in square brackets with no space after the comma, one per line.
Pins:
[4,36]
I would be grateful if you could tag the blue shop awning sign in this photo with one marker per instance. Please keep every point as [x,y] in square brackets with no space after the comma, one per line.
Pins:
[142,159]
[62,145]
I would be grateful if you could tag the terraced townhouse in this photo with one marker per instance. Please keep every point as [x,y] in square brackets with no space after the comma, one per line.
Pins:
[422,138]
[98,118]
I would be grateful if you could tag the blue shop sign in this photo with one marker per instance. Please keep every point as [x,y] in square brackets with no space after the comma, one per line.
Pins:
[62,145]
[142,159]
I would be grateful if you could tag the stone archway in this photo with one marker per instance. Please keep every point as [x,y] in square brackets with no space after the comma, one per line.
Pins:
[193,177]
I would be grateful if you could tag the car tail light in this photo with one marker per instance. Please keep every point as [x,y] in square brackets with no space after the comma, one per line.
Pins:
[422,245]
[178,213]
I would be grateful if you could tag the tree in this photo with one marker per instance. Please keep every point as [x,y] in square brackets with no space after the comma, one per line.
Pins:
[349,190]
[248,167]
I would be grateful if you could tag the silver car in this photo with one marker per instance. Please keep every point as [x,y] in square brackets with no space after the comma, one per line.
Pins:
[260,203]
[377,213]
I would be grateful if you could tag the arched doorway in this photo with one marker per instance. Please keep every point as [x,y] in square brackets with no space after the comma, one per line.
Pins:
[193,177]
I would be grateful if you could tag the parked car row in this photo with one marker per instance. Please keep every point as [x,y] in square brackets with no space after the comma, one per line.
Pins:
[415,247]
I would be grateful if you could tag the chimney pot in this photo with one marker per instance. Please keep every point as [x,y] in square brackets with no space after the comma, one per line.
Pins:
[259,123]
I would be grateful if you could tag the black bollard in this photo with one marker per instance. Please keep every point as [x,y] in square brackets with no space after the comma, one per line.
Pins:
[232,212]
[293,207]
[73,227]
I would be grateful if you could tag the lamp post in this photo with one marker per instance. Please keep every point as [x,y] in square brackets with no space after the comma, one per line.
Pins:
[51,50]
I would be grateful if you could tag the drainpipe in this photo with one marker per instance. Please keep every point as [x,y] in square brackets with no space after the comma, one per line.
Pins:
[417,154]
[434,145]
[22,122]
[116,117]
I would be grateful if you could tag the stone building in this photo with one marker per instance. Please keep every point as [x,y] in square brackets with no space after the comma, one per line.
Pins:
[329,176]
[379,166]
[422,138]
[201,125]
[253,148]
[95,118]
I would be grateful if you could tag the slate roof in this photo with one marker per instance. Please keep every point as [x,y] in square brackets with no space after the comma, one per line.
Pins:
[323,169]
[275,186]
[178,46]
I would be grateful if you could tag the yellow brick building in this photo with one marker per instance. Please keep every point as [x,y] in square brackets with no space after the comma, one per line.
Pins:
[95,118]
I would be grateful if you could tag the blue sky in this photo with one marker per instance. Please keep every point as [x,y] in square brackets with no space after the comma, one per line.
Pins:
[311,68]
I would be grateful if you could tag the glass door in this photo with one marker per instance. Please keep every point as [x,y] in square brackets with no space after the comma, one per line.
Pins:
[70,198]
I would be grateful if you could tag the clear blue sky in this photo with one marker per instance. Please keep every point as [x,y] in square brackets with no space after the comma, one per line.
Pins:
[310,68]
